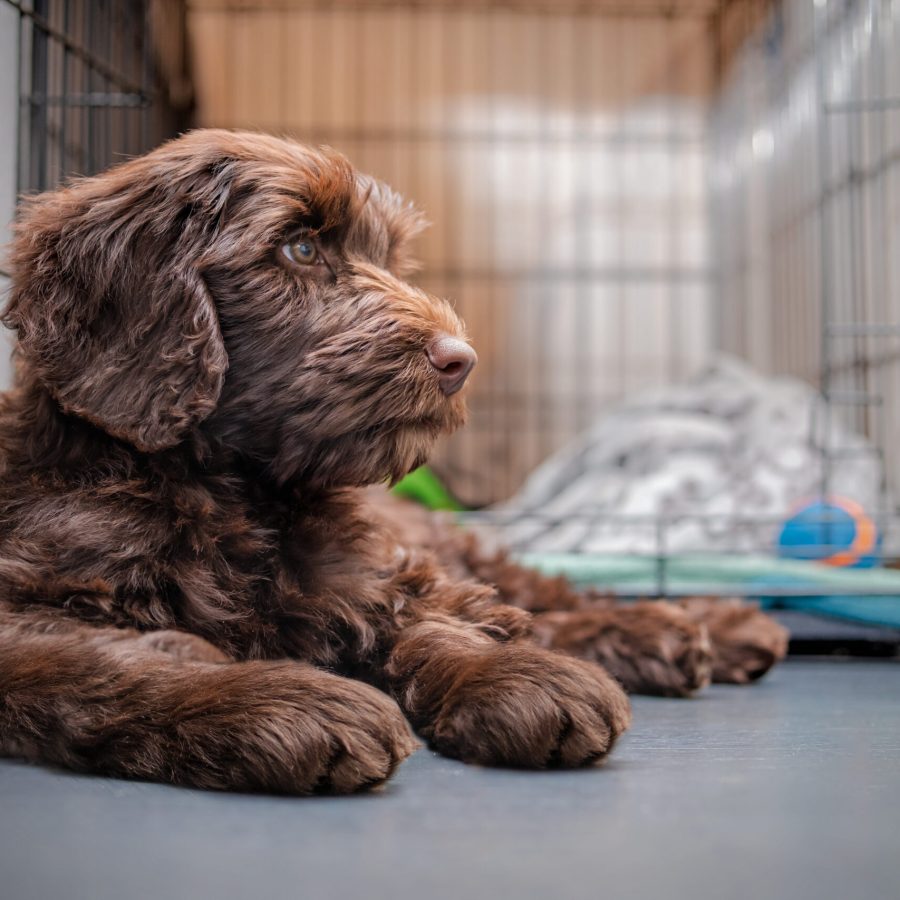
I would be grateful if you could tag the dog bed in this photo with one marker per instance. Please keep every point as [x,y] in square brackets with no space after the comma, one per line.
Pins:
[715,463]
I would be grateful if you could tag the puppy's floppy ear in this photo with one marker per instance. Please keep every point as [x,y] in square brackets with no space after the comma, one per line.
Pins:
[112,315]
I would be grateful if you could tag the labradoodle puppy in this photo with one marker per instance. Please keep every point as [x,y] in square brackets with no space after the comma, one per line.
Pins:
[216,352]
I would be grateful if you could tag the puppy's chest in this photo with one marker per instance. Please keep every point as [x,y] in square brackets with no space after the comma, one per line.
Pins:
[287,549]
[307,583]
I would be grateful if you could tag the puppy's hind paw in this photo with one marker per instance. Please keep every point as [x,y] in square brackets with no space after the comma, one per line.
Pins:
[650,647]
[746,643]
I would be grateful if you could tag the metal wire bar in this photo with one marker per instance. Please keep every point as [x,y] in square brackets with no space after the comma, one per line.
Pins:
[94,99]
[851,398]
[878,104]
[855,329]
[617,9]
[77,50]
[87,88]
[664,274]
[660,581]
[499,516]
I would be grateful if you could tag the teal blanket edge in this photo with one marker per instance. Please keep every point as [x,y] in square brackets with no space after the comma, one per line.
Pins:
[871,596]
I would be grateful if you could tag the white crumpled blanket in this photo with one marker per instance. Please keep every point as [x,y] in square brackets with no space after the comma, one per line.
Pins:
[711,464]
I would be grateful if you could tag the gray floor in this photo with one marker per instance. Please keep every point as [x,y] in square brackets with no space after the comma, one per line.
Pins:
[789,789]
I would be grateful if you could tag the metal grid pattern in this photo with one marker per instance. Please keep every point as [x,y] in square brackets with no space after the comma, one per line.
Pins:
[804,146]
[81,88]
[559,150]
[87,88]
[806,210]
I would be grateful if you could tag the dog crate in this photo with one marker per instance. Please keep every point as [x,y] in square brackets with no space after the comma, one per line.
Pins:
[802,139]
[85,84]
[619,191]
[559,150]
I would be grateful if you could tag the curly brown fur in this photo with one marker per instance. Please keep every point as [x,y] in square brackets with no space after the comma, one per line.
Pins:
[651,647]
[472,704]
[193,587]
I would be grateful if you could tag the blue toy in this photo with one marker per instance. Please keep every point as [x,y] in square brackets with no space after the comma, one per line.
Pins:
[837,532]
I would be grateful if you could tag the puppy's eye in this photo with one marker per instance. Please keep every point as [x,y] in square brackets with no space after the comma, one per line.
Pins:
[301,252]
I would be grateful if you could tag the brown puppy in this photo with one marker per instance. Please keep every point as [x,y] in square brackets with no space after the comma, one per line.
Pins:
[211,518]
[216,350]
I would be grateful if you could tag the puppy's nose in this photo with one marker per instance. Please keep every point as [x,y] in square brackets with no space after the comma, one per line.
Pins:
[453,359]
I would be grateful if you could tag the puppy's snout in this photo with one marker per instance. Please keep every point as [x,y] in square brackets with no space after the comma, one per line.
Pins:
[453,359]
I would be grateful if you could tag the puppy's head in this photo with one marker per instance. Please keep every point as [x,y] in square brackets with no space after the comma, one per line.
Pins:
[247,288]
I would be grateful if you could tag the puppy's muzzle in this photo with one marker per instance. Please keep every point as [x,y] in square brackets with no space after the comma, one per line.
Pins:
[453,359]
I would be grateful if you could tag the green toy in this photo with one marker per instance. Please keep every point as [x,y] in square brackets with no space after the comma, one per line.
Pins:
[423,486]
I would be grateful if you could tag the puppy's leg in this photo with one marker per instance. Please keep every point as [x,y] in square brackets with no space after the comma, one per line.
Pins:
[650,647]
[95,701]
[746,643]
[182,645]
[511,704]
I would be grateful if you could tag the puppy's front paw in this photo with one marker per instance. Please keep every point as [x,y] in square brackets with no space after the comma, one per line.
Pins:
[291,729]
[518,705]
[650,647]
[746,643]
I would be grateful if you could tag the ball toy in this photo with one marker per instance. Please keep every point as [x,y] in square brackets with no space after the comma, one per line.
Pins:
[837,532]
